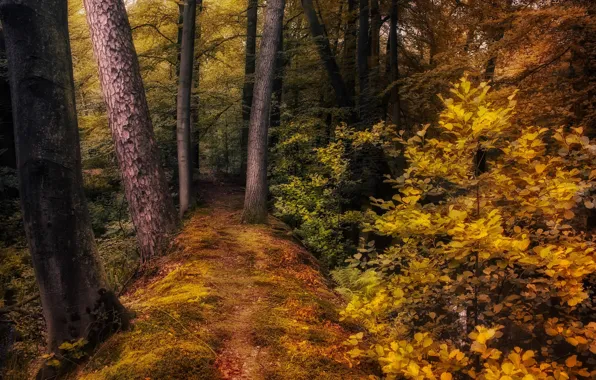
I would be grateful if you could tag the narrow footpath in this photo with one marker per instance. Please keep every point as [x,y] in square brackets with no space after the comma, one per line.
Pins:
[232,302]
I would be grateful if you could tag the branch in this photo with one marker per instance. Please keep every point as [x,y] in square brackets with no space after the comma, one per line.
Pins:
[156,29]
[17,306]
[537,68]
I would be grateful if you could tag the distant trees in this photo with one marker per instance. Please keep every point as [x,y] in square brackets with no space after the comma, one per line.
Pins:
[145,186]
[71,279]
[342,94]
[255,201]
[183,118]
[249,71]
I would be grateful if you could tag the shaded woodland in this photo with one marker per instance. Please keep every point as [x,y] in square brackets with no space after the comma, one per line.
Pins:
[291,189]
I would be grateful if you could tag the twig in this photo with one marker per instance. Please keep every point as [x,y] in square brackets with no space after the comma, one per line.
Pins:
[17,306]
[128,281]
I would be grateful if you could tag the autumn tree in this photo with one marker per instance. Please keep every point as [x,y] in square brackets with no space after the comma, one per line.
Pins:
[247,89]
[255,201]
[150,204]
[183,118]
[76,303]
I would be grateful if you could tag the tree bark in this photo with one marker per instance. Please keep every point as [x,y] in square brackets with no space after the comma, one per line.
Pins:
[255,201]
[183,129]
[337,82]
[350,50]
[275,118]
[69,273]
[375,46]
[7,150]
[363,50]
[249,72]
[145,186]
[394,67]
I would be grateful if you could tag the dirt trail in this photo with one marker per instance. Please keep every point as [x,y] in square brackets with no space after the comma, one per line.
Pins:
[233,302]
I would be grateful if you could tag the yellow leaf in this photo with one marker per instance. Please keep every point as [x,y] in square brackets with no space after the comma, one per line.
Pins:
[571,340]
[571,361]
[517,229]
[569,214]
[539,168]
[446,376]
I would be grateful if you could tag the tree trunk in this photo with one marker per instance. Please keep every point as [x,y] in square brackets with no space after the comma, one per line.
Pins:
[255,201]
[375,46]
[249,72]
[70,276]
[183,107]
[350,50]
[394,68]
[363,50]
[341,92]
[145,186]
[275,118]
[194,105]
[7,151]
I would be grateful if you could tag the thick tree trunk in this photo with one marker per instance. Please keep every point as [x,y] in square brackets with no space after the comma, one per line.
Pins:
[145,186]
[341,93]
[194,105]
[363,50]
[255,201]
[275,118]
[7,150]
[183,130]
[67,268]
[350,49]
[249,80]
[394,67]
[375,46]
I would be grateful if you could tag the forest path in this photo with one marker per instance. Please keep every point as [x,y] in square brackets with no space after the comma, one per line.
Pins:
[233,302]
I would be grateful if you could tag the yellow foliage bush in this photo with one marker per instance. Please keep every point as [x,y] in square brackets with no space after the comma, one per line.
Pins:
[490,275]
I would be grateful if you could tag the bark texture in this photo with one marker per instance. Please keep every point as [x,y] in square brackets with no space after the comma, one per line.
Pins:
[7,151]
[363,50]
[145,186]
[67,268]
[249,80]
[395,103]
[349,58]
[183,116]
[341,93]
[255,200]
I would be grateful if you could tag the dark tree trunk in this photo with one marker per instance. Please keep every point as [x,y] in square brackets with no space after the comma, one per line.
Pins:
[337,82]
[249,80]
[194,105]
[179,37]
[183,129]
[363,50]
[350,50]
[145,186]
[375,46]
[7,150]
[394,67]
[70,276]
[255,201]
[275,118]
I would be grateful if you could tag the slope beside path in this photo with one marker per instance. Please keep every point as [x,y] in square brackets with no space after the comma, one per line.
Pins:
[233,302]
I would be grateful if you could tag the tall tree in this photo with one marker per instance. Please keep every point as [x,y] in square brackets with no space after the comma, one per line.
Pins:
[69,273]
[394,68]
[363,51]
[7,150]
[183,117]
[145,186]
[249,72]
[337,82]
[375,45]
[255,201]
[349,58]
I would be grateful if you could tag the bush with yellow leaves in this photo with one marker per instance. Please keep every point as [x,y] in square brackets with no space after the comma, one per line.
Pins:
[490,275]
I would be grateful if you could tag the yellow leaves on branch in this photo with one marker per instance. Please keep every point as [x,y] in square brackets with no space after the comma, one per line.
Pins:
[500,248]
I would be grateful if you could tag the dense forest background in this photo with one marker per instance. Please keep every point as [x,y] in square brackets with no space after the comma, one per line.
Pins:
[354,84]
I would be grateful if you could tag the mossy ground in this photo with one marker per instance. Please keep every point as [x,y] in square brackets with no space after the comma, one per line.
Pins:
[233,302]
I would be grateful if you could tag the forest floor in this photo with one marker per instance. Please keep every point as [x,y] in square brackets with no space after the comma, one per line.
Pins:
[232,302]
